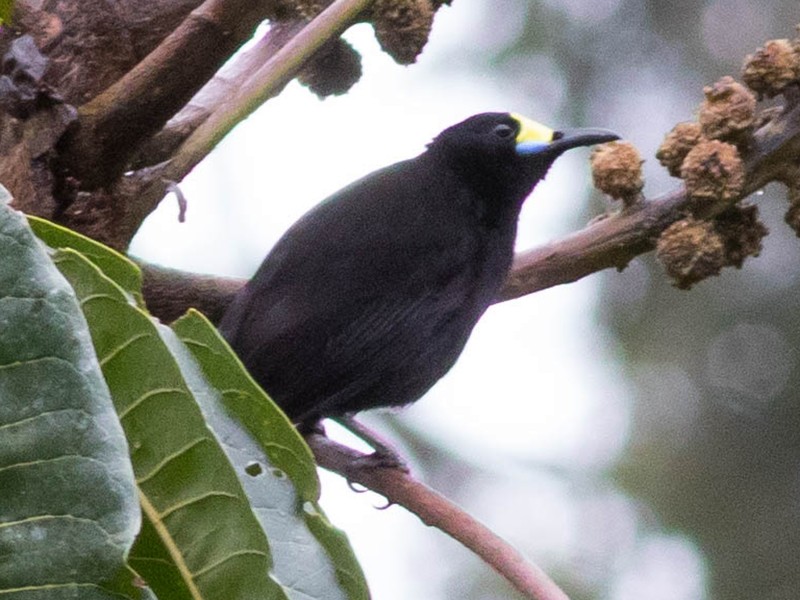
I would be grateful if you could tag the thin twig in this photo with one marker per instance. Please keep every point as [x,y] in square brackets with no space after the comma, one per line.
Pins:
[433,509]
[117,121]
[214,94]
[266,82]
[142,192]
[181,198]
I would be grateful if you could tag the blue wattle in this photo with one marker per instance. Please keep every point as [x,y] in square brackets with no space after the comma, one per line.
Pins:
[528,148]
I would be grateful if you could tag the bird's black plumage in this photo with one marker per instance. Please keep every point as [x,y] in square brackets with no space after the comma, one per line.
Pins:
[370,297]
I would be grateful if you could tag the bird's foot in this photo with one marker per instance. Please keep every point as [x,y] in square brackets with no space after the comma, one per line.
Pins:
[382,459]
[385,456]
[377,460]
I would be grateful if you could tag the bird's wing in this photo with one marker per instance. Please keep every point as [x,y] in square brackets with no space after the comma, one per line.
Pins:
[332,357]
[349,284]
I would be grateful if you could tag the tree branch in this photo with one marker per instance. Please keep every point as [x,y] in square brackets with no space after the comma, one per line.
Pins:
[113,217]
[616,240]
[81,65]
[435,510]
[207,293]
[116,122]
[214,94]
[610,242]
[265,83]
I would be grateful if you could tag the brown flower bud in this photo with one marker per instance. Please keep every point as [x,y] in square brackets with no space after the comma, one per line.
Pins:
[690,251]
[728,111]
[712,170]
[402,27]
[333,70]
[676,145]
[772,67]
[617,171]
[792,216]
[741,232]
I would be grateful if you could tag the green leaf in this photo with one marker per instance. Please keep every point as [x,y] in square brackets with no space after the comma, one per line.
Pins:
[68,507]
[274,466]
[118,267]
[248,403]
[6,11]
[202,539]
[266,448]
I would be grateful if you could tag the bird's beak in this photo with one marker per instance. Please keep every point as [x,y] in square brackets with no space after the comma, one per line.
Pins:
[567,139]
[535,138]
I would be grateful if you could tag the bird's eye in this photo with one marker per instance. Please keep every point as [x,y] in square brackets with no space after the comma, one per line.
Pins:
[503,131]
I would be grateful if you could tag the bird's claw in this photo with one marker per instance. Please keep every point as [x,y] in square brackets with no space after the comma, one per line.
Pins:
[382,458]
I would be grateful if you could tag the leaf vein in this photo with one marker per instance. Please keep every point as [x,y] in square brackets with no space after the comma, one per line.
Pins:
[170,457]
[30,361]
[109,356]
[215,565]
[53,459]
[65,517]
[186,503]
[146,396]
[44,413]
[90,297]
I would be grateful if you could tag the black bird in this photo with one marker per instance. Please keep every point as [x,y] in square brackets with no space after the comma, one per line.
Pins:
[370,297]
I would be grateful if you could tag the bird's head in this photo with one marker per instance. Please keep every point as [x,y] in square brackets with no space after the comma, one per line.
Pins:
[507,149]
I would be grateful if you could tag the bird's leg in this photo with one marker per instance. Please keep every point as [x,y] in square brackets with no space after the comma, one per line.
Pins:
[385,455]
[308,427]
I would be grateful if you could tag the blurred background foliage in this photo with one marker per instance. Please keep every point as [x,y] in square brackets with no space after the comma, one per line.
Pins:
[712,461]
